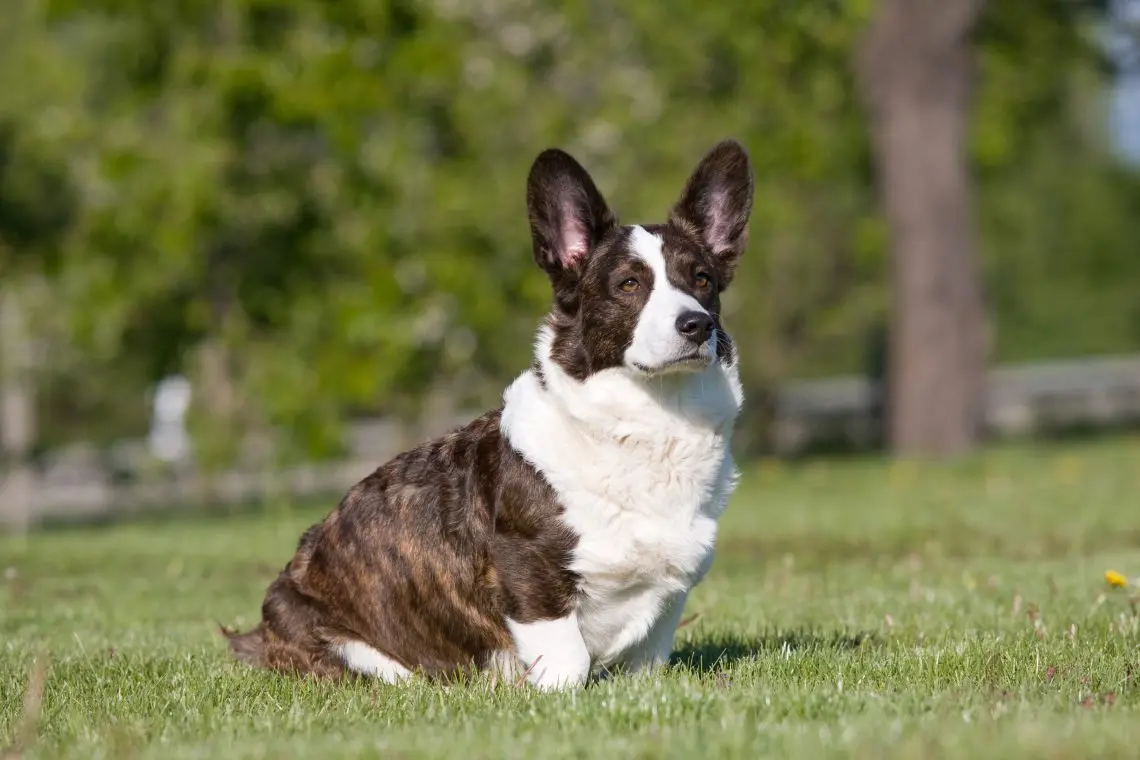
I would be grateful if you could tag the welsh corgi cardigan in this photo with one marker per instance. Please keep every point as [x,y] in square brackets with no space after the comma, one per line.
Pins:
[562,532]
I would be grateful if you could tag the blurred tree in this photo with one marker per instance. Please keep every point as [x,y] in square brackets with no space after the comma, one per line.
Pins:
[1056,208]
[916,66]
[241,175]
[35,207]
[316,209]
[954,92]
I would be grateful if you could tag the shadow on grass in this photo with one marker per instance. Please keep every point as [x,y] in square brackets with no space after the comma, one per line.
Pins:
[719,652]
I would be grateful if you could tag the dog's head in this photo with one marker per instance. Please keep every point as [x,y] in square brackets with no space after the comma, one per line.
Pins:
[645,297]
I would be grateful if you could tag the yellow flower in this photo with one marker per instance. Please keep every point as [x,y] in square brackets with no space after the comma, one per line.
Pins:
[1115,579]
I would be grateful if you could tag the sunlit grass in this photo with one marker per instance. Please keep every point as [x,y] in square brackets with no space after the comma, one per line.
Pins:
[856,609]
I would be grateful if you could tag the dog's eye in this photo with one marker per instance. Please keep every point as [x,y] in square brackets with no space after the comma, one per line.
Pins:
[630,285]
[702,280]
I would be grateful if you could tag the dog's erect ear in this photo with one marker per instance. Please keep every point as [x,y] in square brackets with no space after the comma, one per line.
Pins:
[568,216]
[716,203]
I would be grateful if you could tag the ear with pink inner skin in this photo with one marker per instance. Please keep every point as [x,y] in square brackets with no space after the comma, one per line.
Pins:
[568,216]
[716,204]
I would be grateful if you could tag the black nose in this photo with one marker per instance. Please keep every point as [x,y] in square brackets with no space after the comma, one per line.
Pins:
[695,325]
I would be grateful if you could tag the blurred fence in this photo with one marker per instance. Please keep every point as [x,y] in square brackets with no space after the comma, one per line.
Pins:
[1026,399]
[1022,400]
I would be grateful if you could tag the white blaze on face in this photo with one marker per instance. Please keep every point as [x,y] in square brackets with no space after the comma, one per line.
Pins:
[656,341]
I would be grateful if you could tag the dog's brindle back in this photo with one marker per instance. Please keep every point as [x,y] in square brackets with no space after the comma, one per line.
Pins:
[423,560]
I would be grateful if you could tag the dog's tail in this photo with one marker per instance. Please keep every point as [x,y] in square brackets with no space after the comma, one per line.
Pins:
[261,649]
[249,647]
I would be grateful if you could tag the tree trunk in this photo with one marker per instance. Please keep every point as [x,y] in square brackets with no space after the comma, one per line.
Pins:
[915,66]
[17,414]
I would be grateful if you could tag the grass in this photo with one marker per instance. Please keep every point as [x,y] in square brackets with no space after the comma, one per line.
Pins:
[856,609]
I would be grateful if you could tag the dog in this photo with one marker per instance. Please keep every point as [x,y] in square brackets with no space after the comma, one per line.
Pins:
[560,534]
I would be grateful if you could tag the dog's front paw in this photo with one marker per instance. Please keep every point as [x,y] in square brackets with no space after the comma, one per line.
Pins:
[552,652]
[557,674]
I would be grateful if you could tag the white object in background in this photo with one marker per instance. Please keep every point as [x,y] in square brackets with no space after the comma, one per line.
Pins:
[169,439]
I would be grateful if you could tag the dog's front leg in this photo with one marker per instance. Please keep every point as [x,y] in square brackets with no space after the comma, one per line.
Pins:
[552,652]
[654,650]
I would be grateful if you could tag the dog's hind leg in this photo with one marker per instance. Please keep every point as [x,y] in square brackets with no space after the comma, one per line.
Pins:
[367,661]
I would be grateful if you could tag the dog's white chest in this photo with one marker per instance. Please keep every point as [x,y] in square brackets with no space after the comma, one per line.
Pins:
[647,528]
[630,571]
[643,500]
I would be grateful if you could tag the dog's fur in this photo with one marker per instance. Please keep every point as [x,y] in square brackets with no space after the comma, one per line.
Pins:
[563,531]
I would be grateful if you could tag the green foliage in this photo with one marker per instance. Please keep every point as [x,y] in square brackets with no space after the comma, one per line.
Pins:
[1062,274]
[316,208]
[854,610]
[36,198]
[1058,216]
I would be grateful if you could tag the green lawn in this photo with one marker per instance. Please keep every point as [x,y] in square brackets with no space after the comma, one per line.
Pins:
[856,609]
